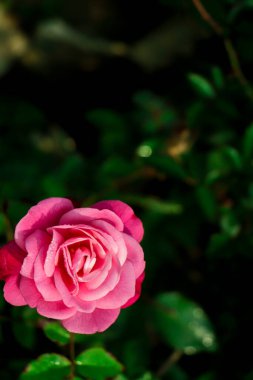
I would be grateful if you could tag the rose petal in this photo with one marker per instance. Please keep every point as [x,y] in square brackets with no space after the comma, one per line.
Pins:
[97,321]
[109,284]
[134,254]
[70,300]
[86,215]
[37,241]
[12,292]
[100,274]
[116,236]
[29,291]
[11,258]
[44,284]
[55,310]
[52,252]
[45,214]
[133,224]
[123,291]
[138,286]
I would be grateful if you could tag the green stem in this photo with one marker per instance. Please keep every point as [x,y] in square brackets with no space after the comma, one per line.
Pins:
[72,355]
[172,360]
[230,49]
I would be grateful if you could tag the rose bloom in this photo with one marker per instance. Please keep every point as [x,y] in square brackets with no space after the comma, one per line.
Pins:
[77,265]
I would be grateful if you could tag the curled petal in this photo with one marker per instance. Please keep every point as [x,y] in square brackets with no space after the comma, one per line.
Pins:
[116,236]
[44,284]
[133,225]
[100,274]
[11,258]
[138,285]
[70,300]
[45,214]
[37,241]
[12,292]
[123,291]
[97,321]
[51,256]
[135,254]
[109,284]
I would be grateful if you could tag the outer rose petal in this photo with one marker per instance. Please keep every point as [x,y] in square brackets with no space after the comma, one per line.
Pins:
[137,291]
[97,321]
[86,215]
[134,254]
[11,258]
[37,241]
[29,291]
[133,225]
[55,310]
[12,293]
[45,214]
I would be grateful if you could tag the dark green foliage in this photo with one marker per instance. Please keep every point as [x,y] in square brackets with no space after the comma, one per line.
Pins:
[163,120]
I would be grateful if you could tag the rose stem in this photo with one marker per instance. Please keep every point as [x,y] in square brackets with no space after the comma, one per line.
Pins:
[231,51]
[72,354]
[172,359]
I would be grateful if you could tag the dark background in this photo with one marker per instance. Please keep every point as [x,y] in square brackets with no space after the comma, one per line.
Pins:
[138,101]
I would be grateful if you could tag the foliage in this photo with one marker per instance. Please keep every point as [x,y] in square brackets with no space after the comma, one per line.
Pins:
[163,120]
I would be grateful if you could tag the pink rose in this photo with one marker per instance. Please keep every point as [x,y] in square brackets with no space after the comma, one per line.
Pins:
[77,265]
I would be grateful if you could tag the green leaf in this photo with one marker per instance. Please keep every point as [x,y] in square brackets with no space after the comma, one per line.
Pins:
[47,366]
[247,143]
[168,166]
[177,373]
[156,205]
[229,223]
[218,77]
[97,364]
[55,332]
[222,162]
[207,202]
[201,85]
[233,156]
[217,243]
[147,376]
[238,8]
[183,324]
[105,118]
[120,377]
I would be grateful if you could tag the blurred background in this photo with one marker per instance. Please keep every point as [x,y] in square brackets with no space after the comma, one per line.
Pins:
[147,103]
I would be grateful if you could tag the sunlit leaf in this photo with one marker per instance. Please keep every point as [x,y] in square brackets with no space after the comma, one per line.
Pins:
[201,85]
[183,324]
[55,332]
[47,366]
[229,223]
[97,364]
[156,205]
[218,77]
